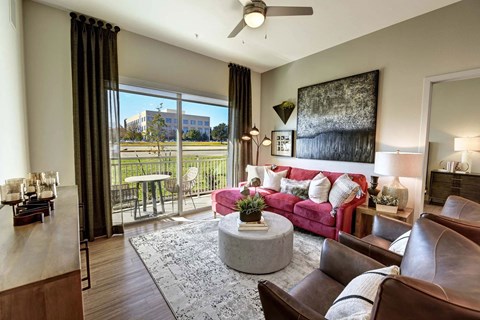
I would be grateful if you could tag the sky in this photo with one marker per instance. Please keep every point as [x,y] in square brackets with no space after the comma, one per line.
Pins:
[131,104]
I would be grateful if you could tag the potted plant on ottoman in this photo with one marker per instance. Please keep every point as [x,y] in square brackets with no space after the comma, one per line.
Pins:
[250,208]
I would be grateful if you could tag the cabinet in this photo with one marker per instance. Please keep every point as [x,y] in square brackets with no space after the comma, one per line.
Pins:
[40,264]
[443,184]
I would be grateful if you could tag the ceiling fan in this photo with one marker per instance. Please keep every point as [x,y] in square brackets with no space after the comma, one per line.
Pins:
[254,14]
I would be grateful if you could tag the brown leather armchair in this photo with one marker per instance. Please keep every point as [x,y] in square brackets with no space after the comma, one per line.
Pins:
[440,279]
[460,214]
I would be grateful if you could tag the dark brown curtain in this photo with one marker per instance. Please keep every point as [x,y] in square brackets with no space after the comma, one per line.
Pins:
[240,122]
[95,109]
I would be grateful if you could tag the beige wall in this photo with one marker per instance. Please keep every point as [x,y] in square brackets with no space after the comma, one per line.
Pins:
[455,113]
[49,90]
[439,42]
[13,123]
[141,60]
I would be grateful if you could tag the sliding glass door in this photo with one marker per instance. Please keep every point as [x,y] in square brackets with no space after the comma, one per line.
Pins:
[173,151]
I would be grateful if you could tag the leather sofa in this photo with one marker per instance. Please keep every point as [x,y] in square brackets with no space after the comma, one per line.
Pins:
[305,214]
[439,279]
[459,214]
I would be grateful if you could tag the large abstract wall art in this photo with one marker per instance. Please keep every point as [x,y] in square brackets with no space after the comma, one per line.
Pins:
[337,119]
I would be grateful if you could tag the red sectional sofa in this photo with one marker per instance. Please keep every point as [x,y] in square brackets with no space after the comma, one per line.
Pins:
[306,214]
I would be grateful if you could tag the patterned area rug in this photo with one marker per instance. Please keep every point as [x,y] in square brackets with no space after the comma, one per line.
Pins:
[184,263]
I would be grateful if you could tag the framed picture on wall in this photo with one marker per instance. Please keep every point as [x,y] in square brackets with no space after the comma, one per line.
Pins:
[282,143]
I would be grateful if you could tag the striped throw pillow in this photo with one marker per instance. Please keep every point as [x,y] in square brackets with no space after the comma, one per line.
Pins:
[400,244]
[356,300]
[343,191]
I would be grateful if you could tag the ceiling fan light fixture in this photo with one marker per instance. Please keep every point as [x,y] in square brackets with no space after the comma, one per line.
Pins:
[254,19]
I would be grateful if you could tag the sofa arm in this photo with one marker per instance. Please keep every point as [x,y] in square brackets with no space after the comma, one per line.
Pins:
[381,255]
[344,216]
[279,305]
[389,228]
[401,297]
[468,229]
[342,263]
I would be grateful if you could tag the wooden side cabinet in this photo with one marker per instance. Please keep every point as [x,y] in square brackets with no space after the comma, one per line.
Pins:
[40,276]
[364,218]
[444,184]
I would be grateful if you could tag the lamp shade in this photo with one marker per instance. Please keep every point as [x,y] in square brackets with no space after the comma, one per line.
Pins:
[467,144]
[398,164]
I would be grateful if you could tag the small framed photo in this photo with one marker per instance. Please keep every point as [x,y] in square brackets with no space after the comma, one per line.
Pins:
[282,143]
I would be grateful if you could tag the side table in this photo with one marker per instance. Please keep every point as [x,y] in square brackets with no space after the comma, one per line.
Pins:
[364,218]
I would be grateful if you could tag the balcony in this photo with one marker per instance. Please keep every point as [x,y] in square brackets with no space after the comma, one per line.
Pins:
[212,175]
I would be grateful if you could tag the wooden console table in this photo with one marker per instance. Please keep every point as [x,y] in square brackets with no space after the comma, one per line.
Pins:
[40,264]
[443,184]
[364,218]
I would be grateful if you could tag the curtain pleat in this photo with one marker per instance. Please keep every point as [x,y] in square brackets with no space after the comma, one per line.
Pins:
[240,122]
[96,119]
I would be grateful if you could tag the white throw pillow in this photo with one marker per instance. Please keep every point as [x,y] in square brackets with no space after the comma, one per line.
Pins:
[356,300]
[319,189]
[272,179]
[255,172]
[400,244]
[343,191]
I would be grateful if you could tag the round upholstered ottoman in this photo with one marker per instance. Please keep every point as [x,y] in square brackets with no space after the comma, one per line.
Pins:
[253,251]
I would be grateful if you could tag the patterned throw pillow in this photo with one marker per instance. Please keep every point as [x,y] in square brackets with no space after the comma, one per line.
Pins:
[297,188]
[400,244]
[272,179]
[319,189]
[356,300]
[343,191]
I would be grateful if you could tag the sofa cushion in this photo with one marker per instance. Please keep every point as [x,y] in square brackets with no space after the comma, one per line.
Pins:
[255,172]
[343,191]
[272,179]
[297,188]
[319,189]
[302,174]
[282,201]
[228,197]
[319,212]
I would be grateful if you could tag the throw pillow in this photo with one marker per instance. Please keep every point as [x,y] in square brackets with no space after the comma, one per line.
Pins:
[272,179]
[400,244]
[356,300]
[343,191]
[255,172]
[319,189]
[297,188]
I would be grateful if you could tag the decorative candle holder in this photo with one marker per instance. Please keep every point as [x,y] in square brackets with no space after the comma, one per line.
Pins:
[373,191]
[50,176]
[11,193]
[47,191]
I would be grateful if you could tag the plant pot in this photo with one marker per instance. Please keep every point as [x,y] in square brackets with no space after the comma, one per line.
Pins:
[256,216]
[384,208]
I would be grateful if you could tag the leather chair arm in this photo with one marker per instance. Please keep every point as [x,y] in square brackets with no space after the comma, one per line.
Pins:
[279,305]
[400,298]
[342,263]
[389,228]
[381,255]
[469,229]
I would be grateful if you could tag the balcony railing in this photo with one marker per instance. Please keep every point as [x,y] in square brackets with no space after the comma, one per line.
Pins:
[212,170]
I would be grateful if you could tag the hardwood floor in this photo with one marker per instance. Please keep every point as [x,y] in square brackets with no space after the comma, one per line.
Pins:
[121,286]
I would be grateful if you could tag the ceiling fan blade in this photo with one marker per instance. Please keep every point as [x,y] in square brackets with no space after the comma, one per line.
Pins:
[237,29]
[289,11]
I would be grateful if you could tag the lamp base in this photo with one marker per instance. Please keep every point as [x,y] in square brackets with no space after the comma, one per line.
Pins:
[396,189]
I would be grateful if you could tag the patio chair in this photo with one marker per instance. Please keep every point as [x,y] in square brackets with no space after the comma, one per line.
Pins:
[128,195]
[188,181]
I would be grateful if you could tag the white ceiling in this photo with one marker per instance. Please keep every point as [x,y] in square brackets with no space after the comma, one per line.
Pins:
[279,41]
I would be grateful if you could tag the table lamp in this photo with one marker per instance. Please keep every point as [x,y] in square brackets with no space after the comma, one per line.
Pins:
[466,145]
[398,164]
